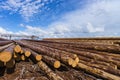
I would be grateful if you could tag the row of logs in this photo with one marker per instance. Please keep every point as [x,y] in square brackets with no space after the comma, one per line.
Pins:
[89,62]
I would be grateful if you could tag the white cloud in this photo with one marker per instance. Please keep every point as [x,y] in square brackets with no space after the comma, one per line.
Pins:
[101,18]
[27,8]
[4,31]
[91,28]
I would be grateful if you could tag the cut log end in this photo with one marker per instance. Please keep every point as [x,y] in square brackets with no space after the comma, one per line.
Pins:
[27,53]
[17,49]
[77,59]
[75,55]
[23,57]
[14,55]
[57,64]
[70,61]
[21,51]
[38,57]
[74,64]
[5,56]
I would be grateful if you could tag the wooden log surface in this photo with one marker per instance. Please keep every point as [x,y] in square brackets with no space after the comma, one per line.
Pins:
[49,72]
[5,46]
[4,42]
[51,61]
[7,54]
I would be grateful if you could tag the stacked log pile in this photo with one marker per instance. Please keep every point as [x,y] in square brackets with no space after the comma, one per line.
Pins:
[62,59]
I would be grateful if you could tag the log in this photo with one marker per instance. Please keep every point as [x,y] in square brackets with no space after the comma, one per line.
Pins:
[26,51]
[2,39]
[108,69]
[48,71]
[10,64]
[5,46]
[51,61]
[17,49]
[97,72]
[7,54]
[18,58]
[21,51]
[72,62]
[37,56]
[23,57]
[2,43]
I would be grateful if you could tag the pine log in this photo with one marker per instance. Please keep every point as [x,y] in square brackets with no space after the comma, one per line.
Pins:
[17,49]
[97,72]
[26,51]
[7,54]
[108,69]
[2,43]
[51,61]
[18,56]
[2,39]
[48,71]
[10,64]
[5,46]
[37,56]
[23,57]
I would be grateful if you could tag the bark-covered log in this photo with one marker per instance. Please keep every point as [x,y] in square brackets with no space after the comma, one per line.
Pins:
[2,39]
[107,68]
[7,54]
[37,56]
[26,51]
[17,49]
[49,72]
[2,43]
[97,72]
[51,61]
[23,57]
[5,46]
[10,64]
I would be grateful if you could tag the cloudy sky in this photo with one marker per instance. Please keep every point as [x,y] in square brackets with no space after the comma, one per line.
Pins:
[60,18]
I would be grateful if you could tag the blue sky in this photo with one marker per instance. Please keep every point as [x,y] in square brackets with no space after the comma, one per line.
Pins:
[60,18]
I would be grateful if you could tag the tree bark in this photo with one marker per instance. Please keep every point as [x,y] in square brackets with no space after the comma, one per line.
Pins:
[49,72]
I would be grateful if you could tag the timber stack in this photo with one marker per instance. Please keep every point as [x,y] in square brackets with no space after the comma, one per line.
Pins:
[60,59]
